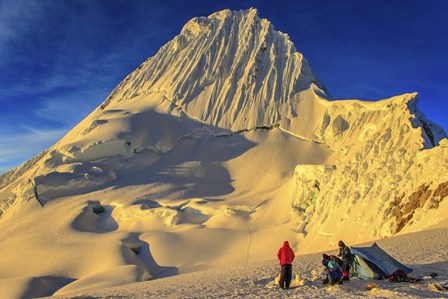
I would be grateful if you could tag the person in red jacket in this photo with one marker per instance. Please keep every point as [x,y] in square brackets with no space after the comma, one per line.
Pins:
[286,257]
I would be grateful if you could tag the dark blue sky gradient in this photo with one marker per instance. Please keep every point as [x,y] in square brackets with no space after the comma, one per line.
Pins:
[59,59]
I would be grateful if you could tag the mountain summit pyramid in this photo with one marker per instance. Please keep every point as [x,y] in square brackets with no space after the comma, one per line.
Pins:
[231,70]
[213,152]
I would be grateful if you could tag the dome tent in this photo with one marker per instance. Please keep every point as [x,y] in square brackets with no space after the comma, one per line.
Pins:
[373,262]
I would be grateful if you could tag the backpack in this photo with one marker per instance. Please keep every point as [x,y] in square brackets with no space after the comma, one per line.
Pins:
[401,276]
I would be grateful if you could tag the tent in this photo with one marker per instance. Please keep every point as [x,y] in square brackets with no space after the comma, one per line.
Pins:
[373,262]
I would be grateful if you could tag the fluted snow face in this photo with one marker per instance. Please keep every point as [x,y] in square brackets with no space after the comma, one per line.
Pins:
[231,69]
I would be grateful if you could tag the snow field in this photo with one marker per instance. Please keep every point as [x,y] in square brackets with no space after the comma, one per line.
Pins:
[257,280]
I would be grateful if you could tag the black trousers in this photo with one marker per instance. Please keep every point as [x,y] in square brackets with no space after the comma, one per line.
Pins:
[346,264]
[285,276]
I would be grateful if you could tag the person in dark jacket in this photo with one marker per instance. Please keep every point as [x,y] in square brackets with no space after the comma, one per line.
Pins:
[345,253]
[286,256]
[332,258]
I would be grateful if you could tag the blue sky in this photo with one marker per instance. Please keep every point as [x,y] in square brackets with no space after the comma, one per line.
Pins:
[59,59]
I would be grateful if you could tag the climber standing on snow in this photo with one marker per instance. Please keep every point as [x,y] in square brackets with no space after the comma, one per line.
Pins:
[345,253]
[286,257]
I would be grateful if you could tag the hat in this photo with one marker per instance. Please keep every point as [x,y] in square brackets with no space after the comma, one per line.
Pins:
[325,256]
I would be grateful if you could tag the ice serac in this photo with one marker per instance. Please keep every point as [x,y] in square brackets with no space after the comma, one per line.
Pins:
[389,177]
[213,152]
[231,69]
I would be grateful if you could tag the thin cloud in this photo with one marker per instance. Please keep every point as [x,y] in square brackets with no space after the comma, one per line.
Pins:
[17,147]
[71,109]
[45,134]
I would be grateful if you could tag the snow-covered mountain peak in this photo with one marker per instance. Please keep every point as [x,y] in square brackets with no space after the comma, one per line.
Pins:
[231,70]
[226,18]
[224,141]
[250,14]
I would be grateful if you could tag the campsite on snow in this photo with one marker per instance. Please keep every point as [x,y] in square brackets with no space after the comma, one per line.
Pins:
[189,177]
